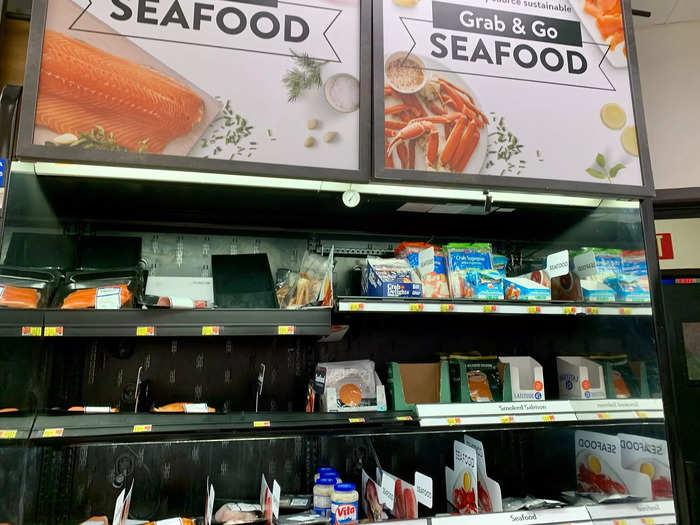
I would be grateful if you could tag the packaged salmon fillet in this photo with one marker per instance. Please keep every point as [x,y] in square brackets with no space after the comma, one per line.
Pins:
[186,408]
[27,288]
[620,380]
[434,282]
[101,289]
[475,379]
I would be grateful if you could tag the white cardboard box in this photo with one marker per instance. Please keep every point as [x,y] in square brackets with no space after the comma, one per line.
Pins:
[526,378]
[580,378]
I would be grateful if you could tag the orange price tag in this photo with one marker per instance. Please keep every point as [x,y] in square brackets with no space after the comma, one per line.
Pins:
[261,424]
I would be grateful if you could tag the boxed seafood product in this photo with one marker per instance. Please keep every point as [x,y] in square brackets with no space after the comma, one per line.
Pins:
[540,277]
[347,386]
[499,263]
[411,383]
[26,287]
[435,279]
[634,263]
[629,289]
[580,378]
[471,273]
[488,490]
[179,292]
[521,289]
[100,289]
[648,456]
[476,378]
[567,288]
[523,379]
[599,467]
[597,292]
[628,280]
[462,482]
[390,278]
[620,380]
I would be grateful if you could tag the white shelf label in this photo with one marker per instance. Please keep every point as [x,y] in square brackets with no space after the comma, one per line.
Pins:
[631,510]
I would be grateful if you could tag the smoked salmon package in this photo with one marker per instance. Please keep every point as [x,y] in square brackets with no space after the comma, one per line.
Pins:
[101,289]
[27,288]
[434,279]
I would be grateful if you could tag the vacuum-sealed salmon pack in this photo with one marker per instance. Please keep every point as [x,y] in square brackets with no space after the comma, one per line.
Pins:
[475,379]
[434,279]
[620,380]
[100,289]
[27,288]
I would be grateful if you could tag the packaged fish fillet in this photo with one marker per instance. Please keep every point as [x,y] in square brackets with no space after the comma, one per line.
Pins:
[100,289]
[620,381]
[471,273]
[435,281]
[27,288]
[475,378]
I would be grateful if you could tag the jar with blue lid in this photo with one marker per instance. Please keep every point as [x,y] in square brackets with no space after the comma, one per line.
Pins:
[344,504]
[322,496]
[326,472]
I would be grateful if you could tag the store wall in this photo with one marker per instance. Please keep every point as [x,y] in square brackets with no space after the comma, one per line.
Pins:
[669,64]
[685,237]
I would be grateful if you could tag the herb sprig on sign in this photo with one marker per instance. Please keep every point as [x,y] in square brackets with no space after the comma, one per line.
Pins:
[601,171]
[99,139]
[504,149]
[230,128]
[306,75]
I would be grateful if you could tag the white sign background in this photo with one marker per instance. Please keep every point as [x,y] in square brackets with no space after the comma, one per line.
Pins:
[560,121]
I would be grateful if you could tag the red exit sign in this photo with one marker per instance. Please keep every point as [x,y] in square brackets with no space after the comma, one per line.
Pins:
[664,245]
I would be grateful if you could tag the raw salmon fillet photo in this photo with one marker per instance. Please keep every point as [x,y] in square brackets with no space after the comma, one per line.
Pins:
[81,87]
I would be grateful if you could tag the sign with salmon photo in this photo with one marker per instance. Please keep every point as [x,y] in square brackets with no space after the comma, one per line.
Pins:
[244,86]
[504,92]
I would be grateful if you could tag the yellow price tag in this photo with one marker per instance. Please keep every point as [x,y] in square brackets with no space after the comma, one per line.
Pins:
[142,428]
[53,331]
[8,434]
[447,308]
[415,307]
[31,331]
[356,420]
[648,521]
[354,307]
[261,424]
[592,310]
[489,308]
[52,432]
[452,421]
[641,415]
[568,310]
[145,330]
[285,330]
[507,419]
[534,309]
[211,330]
[604,415]
[626,311]
[548,417]
[404,418]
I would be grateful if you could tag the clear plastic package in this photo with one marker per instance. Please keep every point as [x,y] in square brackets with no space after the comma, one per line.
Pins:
[27,288]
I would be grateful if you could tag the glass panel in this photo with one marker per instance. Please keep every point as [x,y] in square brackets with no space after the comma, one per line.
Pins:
[691,341]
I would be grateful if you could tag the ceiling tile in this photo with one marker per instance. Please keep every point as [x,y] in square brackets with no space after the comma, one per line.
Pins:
[685,11]
[660,10]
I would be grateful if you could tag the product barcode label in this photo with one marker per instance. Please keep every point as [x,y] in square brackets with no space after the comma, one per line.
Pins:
[145,330]
[31,331]
[53,331]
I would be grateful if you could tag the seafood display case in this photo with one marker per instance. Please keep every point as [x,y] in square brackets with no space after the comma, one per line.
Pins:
[410,384]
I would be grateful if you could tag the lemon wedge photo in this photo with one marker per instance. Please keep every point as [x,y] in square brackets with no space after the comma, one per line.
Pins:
[613,116]
[629,141]
[648,469]
[466,481]
[594,464]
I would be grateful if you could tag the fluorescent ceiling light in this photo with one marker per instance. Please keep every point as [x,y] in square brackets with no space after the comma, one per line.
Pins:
[425,192]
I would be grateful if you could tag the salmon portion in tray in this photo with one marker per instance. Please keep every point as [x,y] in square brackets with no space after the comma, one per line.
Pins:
[82,87]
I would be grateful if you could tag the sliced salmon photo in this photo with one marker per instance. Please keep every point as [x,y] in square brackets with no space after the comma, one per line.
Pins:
[82,88]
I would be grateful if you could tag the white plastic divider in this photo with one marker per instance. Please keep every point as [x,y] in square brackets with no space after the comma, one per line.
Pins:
[565,515]
[454,414]
[449,307]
